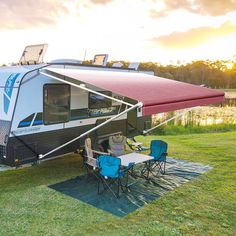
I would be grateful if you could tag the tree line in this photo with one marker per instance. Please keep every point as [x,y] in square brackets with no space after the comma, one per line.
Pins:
[214,74]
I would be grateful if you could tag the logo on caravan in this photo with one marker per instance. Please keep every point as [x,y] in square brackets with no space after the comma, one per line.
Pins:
[8,90]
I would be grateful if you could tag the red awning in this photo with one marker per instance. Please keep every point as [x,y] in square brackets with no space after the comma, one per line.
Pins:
[157,94]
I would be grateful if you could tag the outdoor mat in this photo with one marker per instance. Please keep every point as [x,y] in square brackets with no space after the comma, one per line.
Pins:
[141,192]
[4,167]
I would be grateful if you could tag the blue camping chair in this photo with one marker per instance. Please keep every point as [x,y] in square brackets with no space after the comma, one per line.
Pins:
[111,172]
[158,150]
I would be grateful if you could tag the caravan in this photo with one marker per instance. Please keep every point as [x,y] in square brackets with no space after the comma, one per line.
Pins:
[49,109]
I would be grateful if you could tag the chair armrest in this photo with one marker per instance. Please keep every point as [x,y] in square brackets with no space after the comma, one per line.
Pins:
[110,152]
[92,162]
[138,146]
[131,164]
[101,153]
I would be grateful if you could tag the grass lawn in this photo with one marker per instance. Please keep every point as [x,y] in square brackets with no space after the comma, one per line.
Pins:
[204,206]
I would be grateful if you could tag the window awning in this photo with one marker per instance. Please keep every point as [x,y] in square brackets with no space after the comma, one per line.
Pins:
[157,94]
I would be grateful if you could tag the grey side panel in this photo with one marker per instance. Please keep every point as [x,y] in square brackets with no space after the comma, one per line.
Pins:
[2,153]
[4,131]
[26,148]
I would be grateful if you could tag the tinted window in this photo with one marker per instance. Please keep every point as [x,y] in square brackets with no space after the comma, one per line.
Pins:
[26,122]
[38,119]
[56,107]
[98,101]
[77,114]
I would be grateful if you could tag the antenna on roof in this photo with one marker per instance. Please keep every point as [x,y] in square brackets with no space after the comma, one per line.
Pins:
[33,54]
[85,52]
[100,59]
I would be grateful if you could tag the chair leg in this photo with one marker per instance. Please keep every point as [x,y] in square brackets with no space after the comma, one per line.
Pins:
[127,179]
[146,169]
[153,167]
[106,186]
[156,168]
[89,173]
[100,179]
[118,189]
[125,186]
[163,167]
[99,186]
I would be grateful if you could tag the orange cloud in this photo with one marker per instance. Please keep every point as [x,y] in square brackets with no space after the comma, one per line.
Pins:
[203,7]
[194,37]
[16,14]
[100,1]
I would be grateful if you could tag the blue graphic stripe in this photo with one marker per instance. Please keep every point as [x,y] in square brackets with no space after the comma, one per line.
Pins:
[38,122]
[10,83]
[27,123]
[8,90]
[24,124]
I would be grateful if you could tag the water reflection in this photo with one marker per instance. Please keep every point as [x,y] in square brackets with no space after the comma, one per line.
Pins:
[224,113]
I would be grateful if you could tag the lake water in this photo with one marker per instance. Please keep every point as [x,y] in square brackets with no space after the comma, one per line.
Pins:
[224,113]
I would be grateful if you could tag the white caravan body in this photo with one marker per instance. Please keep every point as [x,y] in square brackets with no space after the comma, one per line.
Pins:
[25,134]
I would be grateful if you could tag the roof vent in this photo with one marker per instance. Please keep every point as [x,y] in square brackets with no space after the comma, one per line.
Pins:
[100,59]
[33,54]
[117,64]
[133,65]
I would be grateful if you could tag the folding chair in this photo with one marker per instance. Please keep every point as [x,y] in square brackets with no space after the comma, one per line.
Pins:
[136,146]
[158,163]
[90,161]
[111,173]
[117,145]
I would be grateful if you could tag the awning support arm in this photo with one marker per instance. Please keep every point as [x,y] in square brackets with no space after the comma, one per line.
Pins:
[166,121]
[83,87]
[138,105]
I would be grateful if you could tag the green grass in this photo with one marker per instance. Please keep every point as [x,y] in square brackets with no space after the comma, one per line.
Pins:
[171,129]
[204,206]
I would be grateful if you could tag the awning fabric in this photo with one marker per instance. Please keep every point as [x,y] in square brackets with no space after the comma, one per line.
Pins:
[157,94]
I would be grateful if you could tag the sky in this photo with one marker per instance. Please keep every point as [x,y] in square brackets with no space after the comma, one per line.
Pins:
[164,31]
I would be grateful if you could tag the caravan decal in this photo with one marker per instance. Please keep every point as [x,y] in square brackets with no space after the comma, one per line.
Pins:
[8,90]
[27,121]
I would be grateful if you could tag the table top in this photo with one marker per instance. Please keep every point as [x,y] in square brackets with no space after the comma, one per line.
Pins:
[134,157]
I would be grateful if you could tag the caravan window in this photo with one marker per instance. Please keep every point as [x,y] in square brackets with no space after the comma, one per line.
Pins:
[56,104]
[98,101]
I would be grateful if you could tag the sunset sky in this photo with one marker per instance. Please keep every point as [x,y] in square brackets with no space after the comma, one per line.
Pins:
[135,30]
